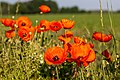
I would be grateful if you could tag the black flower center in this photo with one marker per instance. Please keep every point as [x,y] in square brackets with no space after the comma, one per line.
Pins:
[55,58]
[23,24]
[24,35]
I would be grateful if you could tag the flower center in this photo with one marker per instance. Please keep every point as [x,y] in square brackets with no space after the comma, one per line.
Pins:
[55,58]
[24,35]
[55,27]
[23,24]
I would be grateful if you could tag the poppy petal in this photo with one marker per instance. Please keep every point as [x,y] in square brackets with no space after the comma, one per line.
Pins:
[101,37]
[44,8]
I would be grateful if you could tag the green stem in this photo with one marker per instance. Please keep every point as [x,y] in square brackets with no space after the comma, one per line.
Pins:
[17,8]
[101,14]
[111,23]
[57,72]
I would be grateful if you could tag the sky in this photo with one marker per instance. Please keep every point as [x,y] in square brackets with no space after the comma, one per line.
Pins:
[83,4]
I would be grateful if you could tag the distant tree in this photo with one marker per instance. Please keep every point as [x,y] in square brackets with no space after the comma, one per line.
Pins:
[118,11]
[5,6]
[74,9]
[69,10]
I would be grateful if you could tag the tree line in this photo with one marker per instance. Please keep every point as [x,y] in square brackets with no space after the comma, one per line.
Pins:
[32,7]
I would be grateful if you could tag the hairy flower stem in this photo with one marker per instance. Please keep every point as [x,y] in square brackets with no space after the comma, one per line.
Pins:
[56,68]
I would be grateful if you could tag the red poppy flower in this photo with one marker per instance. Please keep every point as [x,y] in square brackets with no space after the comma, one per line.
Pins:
[23,21]
[66,37]
[79,40]
[107,55]
[8,22]
[81,54]
[79,51]
[67,24]
[26,33]
[10,34]
[55,55]
[101,37]
[37,29]
[44,26]
[44,8]
[55,26]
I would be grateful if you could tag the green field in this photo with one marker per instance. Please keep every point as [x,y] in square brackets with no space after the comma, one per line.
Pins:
[82,21]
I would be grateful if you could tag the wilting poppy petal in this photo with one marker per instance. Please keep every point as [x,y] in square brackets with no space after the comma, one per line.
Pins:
[26,33]
[107,55]
[55,26]
[23,21]
[101,37]
[8,22]
[44,8]
[67,24]
[10,34]
[55,55]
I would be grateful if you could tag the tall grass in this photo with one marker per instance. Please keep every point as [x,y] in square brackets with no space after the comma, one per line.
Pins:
[25,61]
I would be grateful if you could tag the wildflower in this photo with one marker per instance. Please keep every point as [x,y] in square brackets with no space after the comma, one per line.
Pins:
[107,55]
[44,26]
[67,24]
[44,8]
[79,40]
[37,29]
[8,22]
[66,37]
[26,33]
[81,54]
[23,21]
[10,34]
[55,26]
[55,55]
[101,37]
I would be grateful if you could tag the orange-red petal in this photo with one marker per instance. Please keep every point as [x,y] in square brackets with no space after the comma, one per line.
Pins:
[7,22]
[67,24]
[55,26]
[26,33]
[101,37]
[23,21]
[66,37]
[79,40]
[10,34]
[55,56]
[107,55]
[44,8]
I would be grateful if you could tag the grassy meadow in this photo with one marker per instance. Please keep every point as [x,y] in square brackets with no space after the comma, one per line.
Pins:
[24,61]
[82,21]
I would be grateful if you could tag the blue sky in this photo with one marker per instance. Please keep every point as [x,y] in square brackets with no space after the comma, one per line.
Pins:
[82,4]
